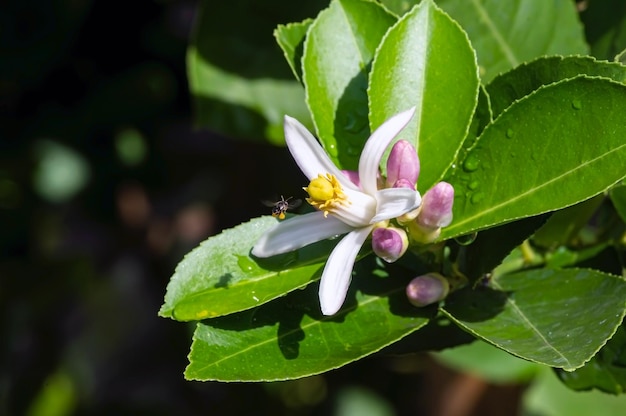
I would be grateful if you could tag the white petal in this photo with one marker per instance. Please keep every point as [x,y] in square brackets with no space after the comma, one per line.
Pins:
[309,154]
[375,147]
[297,232]
[393,202]
[338,271]
[359,212]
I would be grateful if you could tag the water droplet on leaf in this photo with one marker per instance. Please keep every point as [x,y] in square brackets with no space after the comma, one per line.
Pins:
[471,163]
[246,264]
[477,197]
[332,150]
[473,185]
[510,133]
[576,104]
[467,239]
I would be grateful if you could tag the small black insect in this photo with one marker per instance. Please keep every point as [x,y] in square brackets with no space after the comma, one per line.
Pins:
[279,208]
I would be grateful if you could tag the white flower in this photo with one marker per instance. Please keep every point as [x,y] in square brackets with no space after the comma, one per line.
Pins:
[343,206]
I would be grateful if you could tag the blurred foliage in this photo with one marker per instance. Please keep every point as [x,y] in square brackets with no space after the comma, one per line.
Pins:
[105,184]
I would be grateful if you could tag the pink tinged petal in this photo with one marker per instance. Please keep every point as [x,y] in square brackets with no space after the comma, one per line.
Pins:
[375,147]
[403,165]
[404,183]
[352,175]
[393,202]
[427,289]
[297,232]
[338,271]
[389,243]
[437,206]
[308,153]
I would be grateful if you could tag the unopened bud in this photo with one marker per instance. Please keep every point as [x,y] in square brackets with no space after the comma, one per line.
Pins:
[353,176]
[437,206]
[389,243]
[403,166]
[427,289]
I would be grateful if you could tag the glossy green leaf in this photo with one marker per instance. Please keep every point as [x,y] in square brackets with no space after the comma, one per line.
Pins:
[338,52]
[558,146]
[290,38]
[239,83]
[426,61]
[509,87]
[560,318]
[220,277]
[289,338]
[606,371]
[508,33]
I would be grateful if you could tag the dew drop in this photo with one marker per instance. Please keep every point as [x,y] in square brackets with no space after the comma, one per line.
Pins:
[467,239]
[246,264]
[353,151]
[510,133]
[332,150]
[477,197]
[576,104]
[471,164]
[473,185]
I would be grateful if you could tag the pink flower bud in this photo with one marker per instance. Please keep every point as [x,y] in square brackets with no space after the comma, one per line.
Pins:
[437,206]
[353,176]
[427,289]
[403,165]
[389,243]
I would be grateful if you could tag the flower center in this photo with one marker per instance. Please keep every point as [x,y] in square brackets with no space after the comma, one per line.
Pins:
[326,194]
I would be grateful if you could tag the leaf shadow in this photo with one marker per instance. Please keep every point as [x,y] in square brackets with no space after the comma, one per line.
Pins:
[286,313]
[224,281]
[476,304]
[351,122]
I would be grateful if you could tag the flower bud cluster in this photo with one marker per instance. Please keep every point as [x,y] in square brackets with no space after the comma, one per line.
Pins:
[421,226]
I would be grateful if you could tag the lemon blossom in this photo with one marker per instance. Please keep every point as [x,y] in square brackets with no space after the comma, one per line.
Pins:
[343,207]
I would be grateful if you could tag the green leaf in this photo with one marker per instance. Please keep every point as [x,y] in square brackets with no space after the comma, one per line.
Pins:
[290,38]
[488,362]
[560,318]
[547,396]
[220,277]
[509,87]
[606,371]
[565,224]
[538,156]
[508,33]
[605,27]
[289,338]
[240,85]
[491,246]
[399,7]
[426,61]
[338,52]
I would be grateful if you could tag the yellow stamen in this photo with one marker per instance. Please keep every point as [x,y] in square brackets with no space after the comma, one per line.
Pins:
[326,193]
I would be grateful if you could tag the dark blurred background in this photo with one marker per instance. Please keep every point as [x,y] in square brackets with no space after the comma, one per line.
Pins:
[104,186]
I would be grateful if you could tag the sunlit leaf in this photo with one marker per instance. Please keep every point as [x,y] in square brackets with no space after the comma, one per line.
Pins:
[338,52]
[560,318]
[530,161]
[426,61]
[220,277]
[289,338]
[508,33]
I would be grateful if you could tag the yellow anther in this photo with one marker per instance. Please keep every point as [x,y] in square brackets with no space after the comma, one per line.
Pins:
[325,193]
